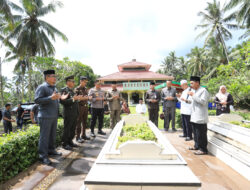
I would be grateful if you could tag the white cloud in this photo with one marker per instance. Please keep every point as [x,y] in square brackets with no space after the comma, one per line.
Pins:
[103,34]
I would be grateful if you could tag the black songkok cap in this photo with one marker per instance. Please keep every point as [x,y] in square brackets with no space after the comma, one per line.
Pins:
[195,78]
[83,78]
[152,83]
[7,104]
[49,72]
[69,78]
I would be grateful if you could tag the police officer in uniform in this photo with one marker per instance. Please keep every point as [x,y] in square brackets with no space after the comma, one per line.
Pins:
[97,108]
[153,98]
[114,97]
[83,110]
[46,96]
[70,113]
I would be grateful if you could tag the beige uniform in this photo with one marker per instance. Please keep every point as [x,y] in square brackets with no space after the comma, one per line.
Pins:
[115,106]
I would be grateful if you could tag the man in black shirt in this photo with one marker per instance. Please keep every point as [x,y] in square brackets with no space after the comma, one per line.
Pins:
[7,119]
[19,117]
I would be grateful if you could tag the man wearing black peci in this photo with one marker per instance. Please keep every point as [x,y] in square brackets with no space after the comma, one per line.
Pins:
[46,96]
[153,98]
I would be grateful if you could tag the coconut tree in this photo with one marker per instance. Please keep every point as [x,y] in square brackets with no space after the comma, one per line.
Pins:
[197,61]
[214,24]
[33,35]
[169,63]
[242,12]
[6,7]
[215,57]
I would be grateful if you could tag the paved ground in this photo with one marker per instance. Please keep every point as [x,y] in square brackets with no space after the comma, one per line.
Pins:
[70,173]
[213,173]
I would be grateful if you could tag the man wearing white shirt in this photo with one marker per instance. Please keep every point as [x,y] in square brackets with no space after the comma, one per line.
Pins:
[185,100]
[141,107]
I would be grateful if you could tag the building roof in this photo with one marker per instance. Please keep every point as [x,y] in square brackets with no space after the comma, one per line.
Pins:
[133,64]
[135,75]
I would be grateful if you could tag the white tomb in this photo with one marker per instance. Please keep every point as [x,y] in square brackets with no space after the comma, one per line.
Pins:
[144,165]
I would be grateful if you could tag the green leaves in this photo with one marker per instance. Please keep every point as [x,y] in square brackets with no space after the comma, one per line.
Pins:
[135,132]
[19,150]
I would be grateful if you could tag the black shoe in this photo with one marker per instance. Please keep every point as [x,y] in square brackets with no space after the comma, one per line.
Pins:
[188,139]
[182,136]
[174,130]
[85,138]
[73,145]
[79,140]
[165,129]
[92,135]
[67,147]
[101,133]
[45,161]
[55,153]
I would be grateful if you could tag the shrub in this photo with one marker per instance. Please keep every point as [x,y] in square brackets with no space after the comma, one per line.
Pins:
[19,150]
[135,132]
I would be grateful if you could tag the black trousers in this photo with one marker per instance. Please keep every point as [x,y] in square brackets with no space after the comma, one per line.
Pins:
[7,127]
[70,122]
[153,116]
[186,125]
[200,136]
[96,113]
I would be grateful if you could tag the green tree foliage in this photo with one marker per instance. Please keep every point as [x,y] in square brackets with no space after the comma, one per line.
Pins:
[242,13]
[215,24]
[174,66]
[32,34]
[235,76]
[63,69]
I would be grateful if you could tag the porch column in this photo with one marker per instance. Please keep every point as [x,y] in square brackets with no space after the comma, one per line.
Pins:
[129,93]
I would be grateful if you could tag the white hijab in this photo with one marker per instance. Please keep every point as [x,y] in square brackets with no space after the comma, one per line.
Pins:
[222,97]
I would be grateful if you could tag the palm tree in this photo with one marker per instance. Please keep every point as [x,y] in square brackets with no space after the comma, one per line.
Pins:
[169,63]
[5,9]
[197,61]
[214,24]
[215,56]
[242,13]
[33,34]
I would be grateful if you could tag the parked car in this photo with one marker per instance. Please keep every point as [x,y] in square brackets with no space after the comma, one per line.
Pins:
[27,108]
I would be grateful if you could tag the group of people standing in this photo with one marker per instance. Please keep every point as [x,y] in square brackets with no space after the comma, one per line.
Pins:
[194,110]
[75,111]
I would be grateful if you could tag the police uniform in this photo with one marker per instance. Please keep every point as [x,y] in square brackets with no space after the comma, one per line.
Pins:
[115,106]
[47,115]
[70,114]
[153,107]
[97,110]
[83,112]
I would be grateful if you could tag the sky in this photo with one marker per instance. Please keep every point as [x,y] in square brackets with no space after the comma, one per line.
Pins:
[105,33]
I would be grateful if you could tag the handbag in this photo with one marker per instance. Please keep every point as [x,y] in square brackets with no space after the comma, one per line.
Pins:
[162,116]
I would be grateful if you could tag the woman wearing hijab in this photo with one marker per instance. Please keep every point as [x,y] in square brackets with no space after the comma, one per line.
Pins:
[223,101]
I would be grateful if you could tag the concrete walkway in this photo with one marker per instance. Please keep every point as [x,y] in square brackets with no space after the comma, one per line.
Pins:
[69,173]
[212,172]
